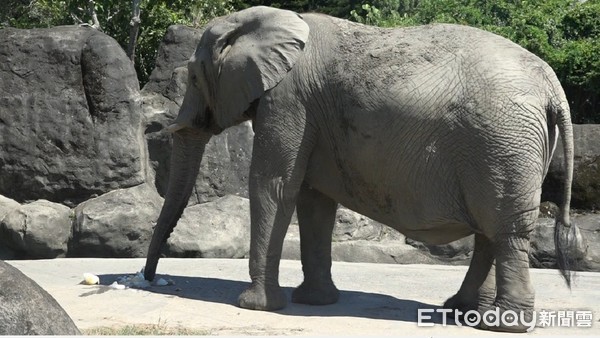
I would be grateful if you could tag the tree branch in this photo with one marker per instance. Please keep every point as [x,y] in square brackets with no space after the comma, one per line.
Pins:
[134,30]
[92,10]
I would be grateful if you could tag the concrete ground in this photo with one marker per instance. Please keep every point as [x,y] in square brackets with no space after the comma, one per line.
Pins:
[375,299]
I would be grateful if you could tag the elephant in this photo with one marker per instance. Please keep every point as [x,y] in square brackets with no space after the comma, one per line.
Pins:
[438,131]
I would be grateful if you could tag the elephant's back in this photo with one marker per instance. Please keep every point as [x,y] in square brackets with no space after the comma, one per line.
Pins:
[397,54]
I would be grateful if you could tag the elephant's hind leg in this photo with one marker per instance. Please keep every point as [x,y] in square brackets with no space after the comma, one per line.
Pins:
[514,289]
[316,218]
[478,289]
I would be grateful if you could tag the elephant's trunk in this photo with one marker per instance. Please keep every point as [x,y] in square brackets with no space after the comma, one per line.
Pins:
[188,148]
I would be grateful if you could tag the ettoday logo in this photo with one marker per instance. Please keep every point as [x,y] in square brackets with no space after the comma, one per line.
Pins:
[509,318]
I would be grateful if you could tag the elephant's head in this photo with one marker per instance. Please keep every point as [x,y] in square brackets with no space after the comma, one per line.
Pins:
[238,59]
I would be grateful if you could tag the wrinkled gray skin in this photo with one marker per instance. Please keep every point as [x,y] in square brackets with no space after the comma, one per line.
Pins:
[438,131]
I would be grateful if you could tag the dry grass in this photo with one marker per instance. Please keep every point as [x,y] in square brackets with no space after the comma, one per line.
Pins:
[144,330]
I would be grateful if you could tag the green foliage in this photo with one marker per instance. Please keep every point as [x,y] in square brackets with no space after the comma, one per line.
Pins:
[373,15]
[27,13]
[582,21]
[565,33]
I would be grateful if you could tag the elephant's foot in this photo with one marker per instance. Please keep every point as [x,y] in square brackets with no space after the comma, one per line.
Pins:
[506,320]
[261,297]
[322,294]
[461,303]
[465,302]
[468,304]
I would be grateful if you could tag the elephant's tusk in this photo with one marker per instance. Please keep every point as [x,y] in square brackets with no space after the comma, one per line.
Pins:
[175,127]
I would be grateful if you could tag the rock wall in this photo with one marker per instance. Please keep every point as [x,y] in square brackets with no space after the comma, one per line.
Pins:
[84,163]
[70,116]
[586,176]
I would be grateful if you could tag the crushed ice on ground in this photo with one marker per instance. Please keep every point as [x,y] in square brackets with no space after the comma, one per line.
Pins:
[139,282]
[117,286]
[135,281]
[161,282]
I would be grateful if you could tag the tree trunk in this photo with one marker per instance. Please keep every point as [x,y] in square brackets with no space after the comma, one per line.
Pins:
[95,22]
[134,30]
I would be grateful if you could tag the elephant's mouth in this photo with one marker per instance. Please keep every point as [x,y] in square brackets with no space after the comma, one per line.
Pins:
[209,123]
[203,122]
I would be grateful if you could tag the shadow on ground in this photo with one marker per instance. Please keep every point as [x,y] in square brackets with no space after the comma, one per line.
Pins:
[351,303]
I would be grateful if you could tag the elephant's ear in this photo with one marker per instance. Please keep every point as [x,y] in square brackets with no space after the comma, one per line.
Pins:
[254,50]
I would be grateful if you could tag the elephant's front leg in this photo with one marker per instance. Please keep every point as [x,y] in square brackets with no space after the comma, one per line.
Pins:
[270,213]
[316,218]
[276,174]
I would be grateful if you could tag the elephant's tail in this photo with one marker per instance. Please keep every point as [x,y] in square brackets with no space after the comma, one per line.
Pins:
[567,238]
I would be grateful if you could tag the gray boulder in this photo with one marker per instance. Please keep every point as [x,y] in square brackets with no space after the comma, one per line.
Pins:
[587,254]
[27,309]
[224,169]
[176,48]
[586,175]
[456,252]
[116,224]
[390,252]
[542,253]
[215,229]
[352,226]
[40,229]
[359,238]
[7,205]
[225,166]
[70,115]
[589,225]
